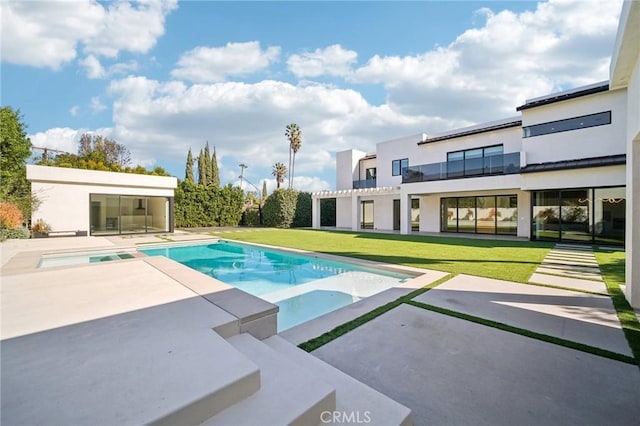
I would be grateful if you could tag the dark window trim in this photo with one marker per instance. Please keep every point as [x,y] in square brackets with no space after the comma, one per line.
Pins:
[549,123]
[475,214]
[399,161]
[601,87]
[461,133]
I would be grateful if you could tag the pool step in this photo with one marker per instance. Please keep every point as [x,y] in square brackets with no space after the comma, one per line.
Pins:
[289,394]
[354,400]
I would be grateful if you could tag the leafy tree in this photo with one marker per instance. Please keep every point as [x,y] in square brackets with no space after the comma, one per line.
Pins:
[302,216]
[108,150]
[264,190]
[294,135]
[279,171]
[215,172]
[188,172]
[15,149]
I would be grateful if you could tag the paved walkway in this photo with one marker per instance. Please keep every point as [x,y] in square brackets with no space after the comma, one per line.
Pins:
[570,266]
[454,371]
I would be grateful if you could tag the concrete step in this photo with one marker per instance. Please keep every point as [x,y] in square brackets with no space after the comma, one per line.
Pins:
[578,284]
[570,273]
[288,395]
[355,401]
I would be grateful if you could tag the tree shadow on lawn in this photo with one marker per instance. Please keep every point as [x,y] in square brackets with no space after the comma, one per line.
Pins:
[453,241]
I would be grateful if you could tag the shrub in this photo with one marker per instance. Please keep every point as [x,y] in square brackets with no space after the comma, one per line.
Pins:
[251,217]
[40,227]
[198,205]
[280,208]
[16,233]
[302,216]
[10,216]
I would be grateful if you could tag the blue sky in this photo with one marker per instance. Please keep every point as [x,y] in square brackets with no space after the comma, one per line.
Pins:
[163,77]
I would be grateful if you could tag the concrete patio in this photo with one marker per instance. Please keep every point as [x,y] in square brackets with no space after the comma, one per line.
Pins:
[147,340]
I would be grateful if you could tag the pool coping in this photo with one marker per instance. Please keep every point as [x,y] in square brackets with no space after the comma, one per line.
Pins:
[255,315]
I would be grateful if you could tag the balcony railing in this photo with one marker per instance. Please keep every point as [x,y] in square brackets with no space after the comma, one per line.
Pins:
[504,164]
[361,184]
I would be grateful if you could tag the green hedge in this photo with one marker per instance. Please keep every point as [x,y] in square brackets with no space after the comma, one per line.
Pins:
[287,208]
[6,234]
[199,205]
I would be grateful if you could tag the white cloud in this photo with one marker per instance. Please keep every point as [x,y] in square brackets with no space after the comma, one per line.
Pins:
[50,33]
[58,138]
[215,64]
[93,68]
[488,71]
[96,105]
[332,60]
[74,110]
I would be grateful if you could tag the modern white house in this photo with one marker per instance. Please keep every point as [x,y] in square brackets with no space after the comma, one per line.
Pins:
[564,170]
[102,203]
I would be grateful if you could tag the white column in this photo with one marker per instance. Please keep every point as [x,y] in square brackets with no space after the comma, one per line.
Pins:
[405,213]
[355,212]
[632,244]
[315,213]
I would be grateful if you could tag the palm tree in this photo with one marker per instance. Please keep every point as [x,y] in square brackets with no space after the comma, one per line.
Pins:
[294,135]
[279,171]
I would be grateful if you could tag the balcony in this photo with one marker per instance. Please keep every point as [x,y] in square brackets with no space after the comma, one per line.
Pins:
[504,164]
[366,183]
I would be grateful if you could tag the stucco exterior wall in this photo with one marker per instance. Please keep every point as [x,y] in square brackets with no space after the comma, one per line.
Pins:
[596,141]
[347,168]
[64,193]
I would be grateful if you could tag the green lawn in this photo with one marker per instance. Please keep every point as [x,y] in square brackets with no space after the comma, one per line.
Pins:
[612,267]
[506,260]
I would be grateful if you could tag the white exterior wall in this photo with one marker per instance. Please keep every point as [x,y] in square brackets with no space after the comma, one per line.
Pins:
[396,149]
[347,168]
[596,141]
[625,74]
[576,178]
[64,193]
[436,152]
[343,212]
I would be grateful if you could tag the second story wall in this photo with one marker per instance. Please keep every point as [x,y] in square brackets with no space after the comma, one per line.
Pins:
[347,168]
[596,141]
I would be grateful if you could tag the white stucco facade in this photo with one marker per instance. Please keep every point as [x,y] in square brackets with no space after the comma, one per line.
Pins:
[624,74]
[65,196]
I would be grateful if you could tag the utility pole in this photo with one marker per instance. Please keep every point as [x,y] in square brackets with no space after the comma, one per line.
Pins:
[242,167]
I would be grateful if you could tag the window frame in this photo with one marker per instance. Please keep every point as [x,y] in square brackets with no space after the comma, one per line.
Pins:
[565,125]
[400,168]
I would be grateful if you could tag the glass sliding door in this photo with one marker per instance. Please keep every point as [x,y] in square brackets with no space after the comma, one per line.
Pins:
[546,215]
[467,214]
[574,215]
[486,220]
[415,214]
[128,214]
[104,214]
[609,206]
[507,214]
[449,215]
[366,221]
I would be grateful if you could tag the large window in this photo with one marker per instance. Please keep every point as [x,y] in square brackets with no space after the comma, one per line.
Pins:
[591,215]
[475,162]
[575,123]
[398,166]
[482,215]
[128,214]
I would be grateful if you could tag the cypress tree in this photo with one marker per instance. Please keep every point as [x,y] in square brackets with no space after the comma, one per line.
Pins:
[188,173]
[264,190]
[207,165]
[215,173]
[202,170]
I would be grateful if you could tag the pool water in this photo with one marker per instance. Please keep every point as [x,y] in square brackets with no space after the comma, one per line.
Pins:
[77,259]
[303,287]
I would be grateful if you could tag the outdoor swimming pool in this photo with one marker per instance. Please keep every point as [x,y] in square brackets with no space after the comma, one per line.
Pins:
[303,287]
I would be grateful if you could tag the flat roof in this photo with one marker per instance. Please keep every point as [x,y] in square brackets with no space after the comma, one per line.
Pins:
[609,160]
[576,92]
[472,130]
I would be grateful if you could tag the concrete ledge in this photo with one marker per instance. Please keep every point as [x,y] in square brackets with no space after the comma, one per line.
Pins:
[248,309]
[352,396]
[288,395]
